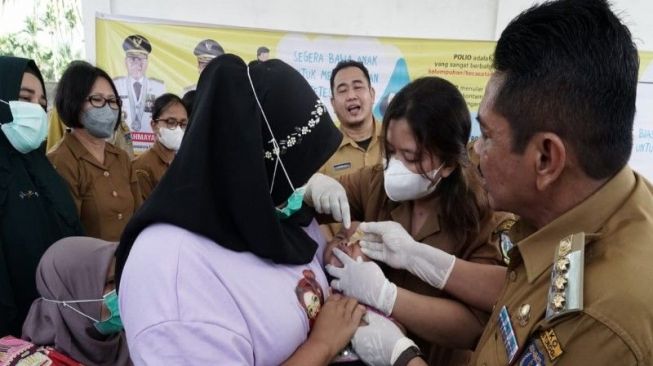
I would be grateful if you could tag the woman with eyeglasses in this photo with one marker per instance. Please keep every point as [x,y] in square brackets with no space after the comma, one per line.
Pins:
[169,121]
[98,174]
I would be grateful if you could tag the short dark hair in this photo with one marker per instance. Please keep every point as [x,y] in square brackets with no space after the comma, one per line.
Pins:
[73,89]
[163,101]
[440,121]
[349,63]
[570,67]
[261,50]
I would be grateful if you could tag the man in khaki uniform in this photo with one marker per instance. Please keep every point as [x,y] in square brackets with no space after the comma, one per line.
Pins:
[352,98]
[556,123]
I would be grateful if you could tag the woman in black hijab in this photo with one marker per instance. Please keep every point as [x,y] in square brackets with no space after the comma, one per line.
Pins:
[221,264]
[36,208]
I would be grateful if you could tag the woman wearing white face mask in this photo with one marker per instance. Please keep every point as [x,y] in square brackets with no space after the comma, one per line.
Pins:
[432,193]
[36,208]
[169,121]
[98,174]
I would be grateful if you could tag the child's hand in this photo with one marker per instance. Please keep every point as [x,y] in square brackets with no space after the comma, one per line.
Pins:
[336,323]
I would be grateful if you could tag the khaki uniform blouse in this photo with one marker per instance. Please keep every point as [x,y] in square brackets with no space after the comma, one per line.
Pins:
[106,194]
[368,202]
[614,326]
[150,166]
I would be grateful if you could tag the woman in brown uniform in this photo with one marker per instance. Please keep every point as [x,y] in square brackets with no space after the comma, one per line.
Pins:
[98,173]
[429,188]
[169,121]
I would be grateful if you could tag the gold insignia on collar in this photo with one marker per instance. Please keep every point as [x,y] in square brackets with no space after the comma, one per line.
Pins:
[551,344]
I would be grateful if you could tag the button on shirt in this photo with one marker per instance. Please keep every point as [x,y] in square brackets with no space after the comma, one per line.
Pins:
[106,195]
[615,326]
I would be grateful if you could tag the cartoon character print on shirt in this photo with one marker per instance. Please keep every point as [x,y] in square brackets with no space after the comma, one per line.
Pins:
[310,296]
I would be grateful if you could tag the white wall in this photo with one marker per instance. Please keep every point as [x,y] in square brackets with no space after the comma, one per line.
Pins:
[435,19]
[636,14]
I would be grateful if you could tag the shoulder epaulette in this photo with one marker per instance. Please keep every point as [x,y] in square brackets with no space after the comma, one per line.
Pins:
[565,294]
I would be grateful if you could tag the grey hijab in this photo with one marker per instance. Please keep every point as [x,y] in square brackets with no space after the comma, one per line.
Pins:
[74,268]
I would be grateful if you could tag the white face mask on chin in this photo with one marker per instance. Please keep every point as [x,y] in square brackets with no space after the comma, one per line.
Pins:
[403,185]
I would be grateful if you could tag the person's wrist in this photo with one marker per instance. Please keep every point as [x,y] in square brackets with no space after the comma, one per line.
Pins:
[404,351]
[387,297]
[321,349]
[431,265]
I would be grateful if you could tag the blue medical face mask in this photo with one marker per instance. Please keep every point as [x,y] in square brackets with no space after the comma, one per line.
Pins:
[111,325]
[29,127]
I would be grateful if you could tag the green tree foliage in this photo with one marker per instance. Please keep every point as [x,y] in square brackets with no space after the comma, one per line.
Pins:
[48,36]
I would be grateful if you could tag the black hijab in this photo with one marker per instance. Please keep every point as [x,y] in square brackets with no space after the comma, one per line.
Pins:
[36,208]
[219,183]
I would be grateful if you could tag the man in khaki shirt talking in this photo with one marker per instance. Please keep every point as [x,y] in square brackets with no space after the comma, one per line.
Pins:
[352,98]
[557,132]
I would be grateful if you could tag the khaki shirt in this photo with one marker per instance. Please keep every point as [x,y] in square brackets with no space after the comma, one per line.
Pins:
[615,325]
[150,166]
[106,195]
[368,202]
[350,157]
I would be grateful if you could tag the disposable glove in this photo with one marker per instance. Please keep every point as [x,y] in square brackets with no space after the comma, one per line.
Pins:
[364,281]
[389,243]
[328,196]
[380,342]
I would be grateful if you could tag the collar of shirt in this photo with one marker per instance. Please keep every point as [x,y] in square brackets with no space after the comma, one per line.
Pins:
[164,154]
[537,249]
[376,132]
[80,152]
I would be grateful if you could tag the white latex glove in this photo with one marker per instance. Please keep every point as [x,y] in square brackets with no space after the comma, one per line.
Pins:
[364,281]
[380,342]
[328,196]
[389,243]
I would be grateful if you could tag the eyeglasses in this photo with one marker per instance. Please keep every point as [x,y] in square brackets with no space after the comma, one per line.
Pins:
[99,101]
[172,123]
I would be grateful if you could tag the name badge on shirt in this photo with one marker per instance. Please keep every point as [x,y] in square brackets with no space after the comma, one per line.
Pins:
[341,166]
[507,334]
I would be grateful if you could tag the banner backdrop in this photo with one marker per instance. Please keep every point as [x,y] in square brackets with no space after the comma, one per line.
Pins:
[177,53]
